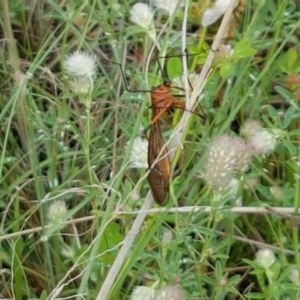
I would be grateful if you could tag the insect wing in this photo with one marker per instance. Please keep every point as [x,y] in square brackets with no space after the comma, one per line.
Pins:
[159,164]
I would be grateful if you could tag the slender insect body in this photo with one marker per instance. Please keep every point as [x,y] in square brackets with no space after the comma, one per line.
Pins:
[158,158]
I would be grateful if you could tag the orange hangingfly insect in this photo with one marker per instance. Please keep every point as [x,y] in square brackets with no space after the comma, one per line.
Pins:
[158,158]
[162,102]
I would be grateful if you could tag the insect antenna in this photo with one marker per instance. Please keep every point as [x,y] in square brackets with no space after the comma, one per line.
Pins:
[125,80]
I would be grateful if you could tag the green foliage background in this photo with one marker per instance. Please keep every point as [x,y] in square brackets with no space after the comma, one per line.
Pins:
[55,147]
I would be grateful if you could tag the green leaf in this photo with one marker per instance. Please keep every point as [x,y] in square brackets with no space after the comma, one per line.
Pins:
[243,50]
[111,239]
[291,114]
[283,92]
[133,30]
[226,69]
[198,56]
[290,147]
[271,113]
[174,67]
[43,295]
[288,62]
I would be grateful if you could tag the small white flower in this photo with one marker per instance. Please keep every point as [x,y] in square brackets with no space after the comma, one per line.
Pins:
[250,127]
[239,202]
[81,69]
[167,236]
[67,252]
[80,64]
[211,15]
[168,6]
[139,154]
[142,292]
[277,192]
[261,140]
[265,258]
[226,156]
[115,6]
[56,211]
[170,293]
[142,15]
[243,155]
[294,276]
